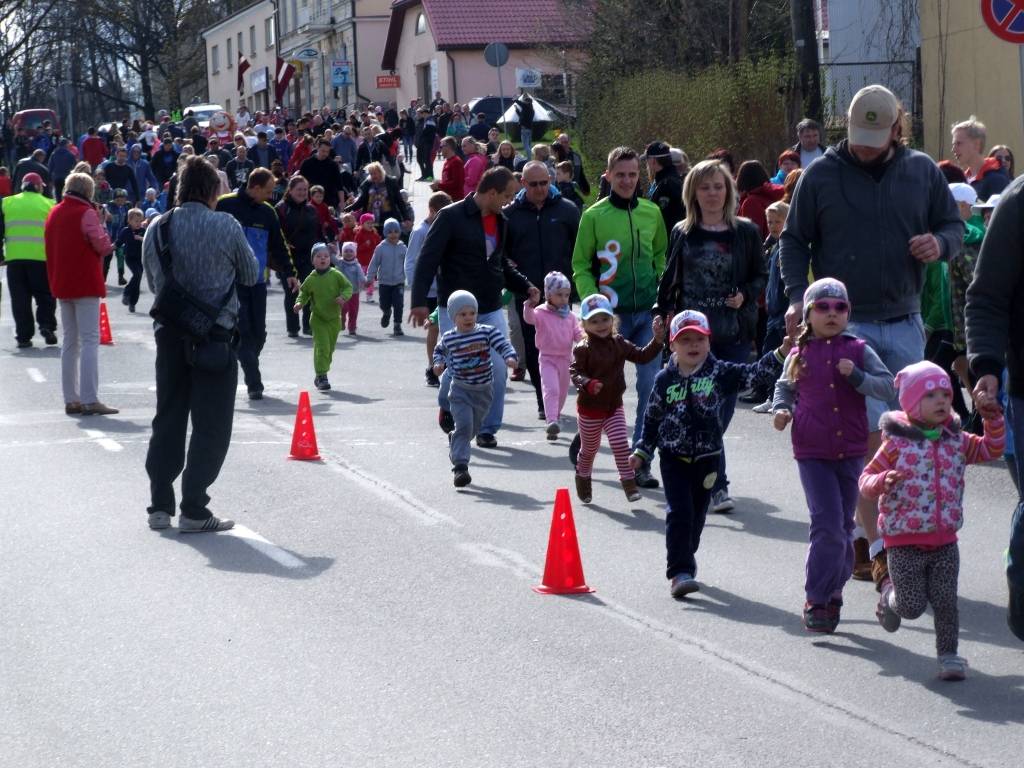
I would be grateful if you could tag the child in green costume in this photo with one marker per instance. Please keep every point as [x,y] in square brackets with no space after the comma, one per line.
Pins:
[328,290]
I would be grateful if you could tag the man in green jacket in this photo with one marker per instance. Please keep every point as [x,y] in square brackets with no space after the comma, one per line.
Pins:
[620,252]
[22,219]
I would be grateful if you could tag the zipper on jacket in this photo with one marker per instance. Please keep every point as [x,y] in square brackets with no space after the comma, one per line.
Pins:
[938,485]
[632,251]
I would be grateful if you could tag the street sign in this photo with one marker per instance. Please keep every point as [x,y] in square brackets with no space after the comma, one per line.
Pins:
[341,73]
[496,54]
[527,78]
[1005,18]
[308,54]
[387,81]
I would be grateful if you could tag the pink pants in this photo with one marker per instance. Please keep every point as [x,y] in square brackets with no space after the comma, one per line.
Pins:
[370,285]
[613,425]
[350,312]
[554,384]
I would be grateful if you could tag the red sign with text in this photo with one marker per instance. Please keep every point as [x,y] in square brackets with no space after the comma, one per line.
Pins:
[387,81]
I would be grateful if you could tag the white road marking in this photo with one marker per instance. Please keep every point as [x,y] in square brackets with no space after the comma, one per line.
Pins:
[268,548]
[36,375]
[103,441]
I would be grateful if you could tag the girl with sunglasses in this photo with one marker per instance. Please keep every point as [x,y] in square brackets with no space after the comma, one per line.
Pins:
[827,376]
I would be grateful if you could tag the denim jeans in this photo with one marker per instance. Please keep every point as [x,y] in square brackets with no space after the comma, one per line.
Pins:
[527,137]
[898,344]
[1015,553]
[738,352]
[636,327]
[492,421]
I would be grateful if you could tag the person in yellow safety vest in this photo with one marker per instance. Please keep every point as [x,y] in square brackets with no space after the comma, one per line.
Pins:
[22,218]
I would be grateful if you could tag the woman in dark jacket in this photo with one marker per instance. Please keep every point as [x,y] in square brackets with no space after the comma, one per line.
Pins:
[381,195]
[300,226]
[715,265]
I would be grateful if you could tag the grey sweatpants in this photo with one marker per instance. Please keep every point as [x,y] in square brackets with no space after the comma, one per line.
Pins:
[79,354]
[470,404]
[923,576]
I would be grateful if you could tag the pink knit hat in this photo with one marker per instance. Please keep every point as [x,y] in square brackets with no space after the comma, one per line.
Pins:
[917,380]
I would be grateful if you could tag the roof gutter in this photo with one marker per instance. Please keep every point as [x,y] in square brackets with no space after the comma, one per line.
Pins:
[355,51]
[455,81]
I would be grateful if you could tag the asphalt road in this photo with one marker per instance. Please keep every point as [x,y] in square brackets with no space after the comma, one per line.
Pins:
[365,613]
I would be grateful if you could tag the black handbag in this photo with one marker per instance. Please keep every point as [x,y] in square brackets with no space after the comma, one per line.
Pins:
[174,306]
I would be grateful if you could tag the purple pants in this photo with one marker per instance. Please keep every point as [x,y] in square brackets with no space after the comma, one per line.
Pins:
[831,491]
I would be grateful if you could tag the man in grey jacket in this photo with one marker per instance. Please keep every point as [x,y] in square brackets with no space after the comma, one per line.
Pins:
[871,213]
[995,333]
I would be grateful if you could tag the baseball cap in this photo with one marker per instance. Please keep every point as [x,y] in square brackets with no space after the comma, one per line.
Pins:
[32,178]
[657,149]
[689,320]
[872,114]
[963,193]
[595,304]
[976,208]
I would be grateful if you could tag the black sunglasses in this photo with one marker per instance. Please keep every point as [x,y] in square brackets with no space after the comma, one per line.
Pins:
[543,183]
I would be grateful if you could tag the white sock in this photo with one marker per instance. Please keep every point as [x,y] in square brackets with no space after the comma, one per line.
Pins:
[858,533]
[875,548]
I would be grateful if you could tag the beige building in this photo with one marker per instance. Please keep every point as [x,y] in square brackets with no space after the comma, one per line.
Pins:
[966,69]
[251,31]
[335,47]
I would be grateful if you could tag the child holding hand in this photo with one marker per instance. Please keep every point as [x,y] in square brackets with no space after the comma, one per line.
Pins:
[557,331]
[353,271]
[597,370]
[367,239]
[327,290]
[827,377]
[682,421]
[918,478]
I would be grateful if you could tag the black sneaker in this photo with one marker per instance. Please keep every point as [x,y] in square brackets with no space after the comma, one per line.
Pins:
[574,449]
[49,337]
[293,334]
[321,383]
[131,308]
[121,280]
[385,318]
[446,421]
[1015,611]
[486,440]
[645,479]
[431,378]
[398,331]
[462,478]
[24,344]
[255,394]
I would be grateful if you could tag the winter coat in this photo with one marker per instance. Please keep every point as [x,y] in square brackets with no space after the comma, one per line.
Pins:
[388,263]
[76,243]
[753,204]
[603,359]
[539,241]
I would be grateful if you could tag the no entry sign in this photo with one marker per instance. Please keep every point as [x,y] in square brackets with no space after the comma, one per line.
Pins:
[1005,18]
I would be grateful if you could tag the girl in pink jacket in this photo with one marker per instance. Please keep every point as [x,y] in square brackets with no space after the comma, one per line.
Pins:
[918,478]
[557,331]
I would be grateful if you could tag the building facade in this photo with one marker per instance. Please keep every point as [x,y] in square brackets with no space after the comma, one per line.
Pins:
[335,47]
[251,31]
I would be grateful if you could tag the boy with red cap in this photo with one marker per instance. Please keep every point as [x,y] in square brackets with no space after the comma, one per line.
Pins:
[682,422]
[918,478]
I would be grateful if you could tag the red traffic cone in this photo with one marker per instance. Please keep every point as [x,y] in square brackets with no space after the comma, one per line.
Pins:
[105,336]
[563,571]
[304,436]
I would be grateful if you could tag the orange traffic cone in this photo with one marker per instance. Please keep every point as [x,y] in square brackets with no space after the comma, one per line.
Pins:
[304,436]
[563,571]
[105,336]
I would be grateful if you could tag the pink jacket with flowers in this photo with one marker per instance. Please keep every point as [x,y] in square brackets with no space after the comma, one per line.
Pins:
[925,509]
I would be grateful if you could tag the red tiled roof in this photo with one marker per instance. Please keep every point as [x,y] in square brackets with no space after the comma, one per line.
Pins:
[462,24]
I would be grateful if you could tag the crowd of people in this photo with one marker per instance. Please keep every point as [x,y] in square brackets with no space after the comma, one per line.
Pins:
[853,292]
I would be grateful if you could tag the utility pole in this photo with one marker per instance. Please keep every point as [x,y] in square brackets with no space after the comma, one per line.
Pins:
[805,42]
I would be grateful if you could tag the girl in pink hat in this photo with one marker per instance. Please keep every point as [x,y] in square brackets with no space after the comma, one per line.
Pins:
[918,478]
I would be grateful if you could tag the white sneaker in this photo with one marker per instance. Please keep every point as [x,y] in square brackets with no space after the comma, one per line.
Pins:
[212,524]
[158,520]
[952,667]
[764,407]
[720,502]
[683,584]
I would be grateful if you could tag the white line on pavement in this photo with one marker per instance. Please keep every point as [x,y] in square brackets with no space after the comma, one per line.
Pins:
[36,375]
[268,548]
[103,441]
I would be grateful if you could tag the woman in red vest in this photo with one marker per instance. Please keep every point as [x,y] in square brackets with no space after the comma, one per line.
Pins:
[76,242]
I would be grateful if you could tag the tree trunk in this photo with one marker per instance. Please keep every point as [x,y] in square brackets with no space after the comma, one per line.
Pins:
[805,43]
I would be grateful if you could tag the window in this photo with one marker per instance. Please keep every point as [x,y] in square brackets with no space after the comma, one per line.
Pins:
[227,105]
[421,24]
[252,40]
[241,46]
[268,30]
[214,59]
[284,20]
[231,59]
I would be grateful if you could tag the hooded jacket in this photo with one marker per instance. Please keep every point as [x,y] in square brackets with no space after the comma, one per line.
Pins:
[991,179]
[541,241]
[844,224]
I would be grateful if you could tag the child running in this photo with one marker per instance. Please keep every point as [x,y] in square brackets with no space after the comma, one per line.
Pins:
[597,370]
[328,290]
[353,271]
[130,240]
[466,350]
[918,478]
[557,331]
[682,421]
[827,377]
[367,240]
[387,269]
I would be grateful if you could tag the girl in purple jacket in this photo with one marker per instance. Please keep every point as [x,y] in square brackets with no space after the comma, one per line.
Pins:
[827,376]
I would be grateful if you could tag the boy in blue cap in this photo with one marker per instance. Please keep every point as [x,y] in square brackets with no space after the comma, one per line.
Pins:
[387,268]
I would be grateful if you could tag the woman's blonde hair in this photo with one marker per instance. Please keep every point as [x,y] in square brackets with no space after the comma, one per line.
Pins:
[795,363]
[375,166]
[80,184]
[698,174]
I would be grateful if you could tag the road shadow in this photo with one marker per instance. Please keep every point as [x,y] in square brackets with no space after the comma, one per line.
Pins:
[508,456]
[112,424]
[37,352]
[755,517]
[232,554]
[509,499]
[638,519]
[341,395]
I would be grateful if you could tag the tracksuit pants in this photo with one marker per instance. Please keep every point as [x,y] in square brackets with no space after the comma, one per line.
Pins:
[830,488]
[325,339]
[687,494]
[554,383]
[252,332]
[469,405]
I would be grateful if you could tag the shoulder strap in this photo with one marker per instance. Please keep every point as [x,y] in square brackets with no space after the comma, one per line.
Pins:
[164,244]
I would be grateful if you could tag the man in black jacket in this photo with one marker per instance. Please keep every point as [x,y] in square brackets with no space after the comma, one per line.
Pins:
[666,189]
[426,132]
[34,163]
[120,175]
[263,231]
[263,154]
[464,249]
[539,237]
[238,170]
[321,169]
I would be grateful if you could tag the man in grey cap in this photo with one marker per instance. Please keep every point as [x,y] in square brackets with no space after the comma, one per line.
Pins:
[871,212]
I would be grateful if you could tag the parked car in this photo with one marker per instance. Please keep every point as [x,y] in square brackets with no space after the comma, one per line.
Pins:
[202,113]
[32,120]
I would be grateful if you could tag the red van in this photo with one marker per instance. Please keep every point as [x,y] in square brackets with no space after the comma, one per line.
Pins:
[32,120]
